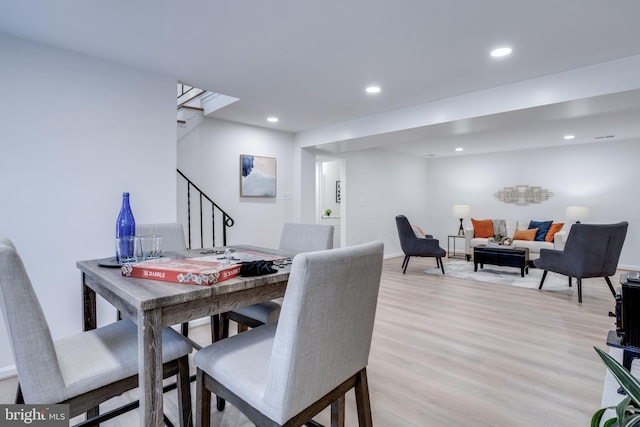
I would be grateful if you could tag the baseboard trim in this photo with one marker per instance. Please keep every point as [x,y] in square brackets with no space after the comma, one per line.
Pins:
[8,372]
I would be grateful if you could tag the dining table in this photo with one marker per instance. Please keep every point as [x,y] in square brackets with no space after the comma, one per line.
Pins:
[153,305]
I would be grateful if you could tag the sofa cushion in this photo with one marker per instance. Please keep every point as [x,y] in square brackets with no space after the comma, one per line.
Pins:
[543,228]
[482,228]
[555,227]
[525,234]
[533,246]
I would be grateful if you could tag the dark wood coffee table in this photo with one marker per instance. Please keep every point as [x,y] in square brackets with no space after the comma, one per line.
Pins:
[505,256]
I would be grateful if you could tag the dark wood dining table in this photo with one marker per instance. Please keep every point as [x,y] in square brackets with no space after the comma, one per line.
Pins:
[153,305]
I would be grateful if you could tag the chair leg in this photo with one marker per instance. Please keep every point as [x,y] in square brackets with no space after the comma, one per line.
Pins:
[224,325]
[184,392]
[362,399]
[544,276]
[19,396]
[579,280]
[337,412]
[405,263]
[570,281]
[214,320]
[610,286]
[203,402]
[441,265]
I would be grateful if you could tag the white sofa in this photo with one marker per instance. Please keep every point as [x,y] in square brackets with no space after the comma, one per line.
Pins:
[558,243]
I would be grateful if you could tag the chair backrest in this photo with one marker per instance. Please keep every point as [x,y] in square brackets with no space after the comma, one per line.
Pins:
[405,232]
[324,332]
[297,238]
[33,349]
[172,233]
[594,249]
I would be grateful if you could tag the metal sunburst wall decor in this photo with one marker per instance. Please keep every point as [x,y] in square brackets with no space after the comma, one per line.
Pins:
[523,195]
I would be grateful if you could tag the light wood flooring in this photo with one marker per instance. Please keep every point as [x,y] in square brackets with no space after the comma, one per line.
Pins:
[453,352]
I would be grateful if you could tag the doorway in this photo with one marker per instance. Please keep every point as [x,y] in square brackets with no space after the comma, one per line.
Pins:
[330,200]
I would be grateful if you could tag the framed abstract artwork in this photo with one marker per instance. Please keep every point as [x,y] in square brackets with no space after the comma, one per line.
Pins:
[257,176]
[338,192]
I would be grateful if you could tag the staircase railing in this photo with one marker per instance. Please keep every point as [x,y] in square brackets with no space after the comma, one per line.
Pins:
[187,94]
[200,206]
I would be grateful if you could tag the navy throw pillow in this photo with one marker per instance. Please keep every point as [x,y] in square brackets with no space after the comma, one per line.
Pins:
[543,228]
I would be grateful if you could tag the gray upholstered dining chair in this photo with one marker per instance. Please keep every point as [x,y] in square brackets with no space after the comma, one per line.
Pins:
[592,250]
[173,240]
[81,370]
[172,233]
[415,246]
[294,239]
[284,373]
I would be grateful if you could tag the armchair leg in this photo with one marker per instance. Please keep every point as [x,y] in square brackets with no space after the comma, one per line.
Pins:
[441,265]
[579,280]
[613,292]
[405,264]
[569,281]
[544,276]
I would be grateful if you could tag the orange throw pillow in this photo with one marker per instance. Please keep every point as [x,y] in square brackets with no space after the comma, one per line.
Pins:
[525,234]
[555,227]
[482,227]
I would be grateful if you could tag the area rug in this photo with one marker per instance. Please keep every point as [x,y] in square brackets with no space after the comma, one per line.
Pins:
[506,276]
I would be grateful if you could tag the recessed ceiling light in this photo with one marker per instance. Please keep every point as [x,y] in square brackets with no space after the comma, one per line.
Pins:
[459,149]
[501,51]
[272,119]
[569,137]
[373,89]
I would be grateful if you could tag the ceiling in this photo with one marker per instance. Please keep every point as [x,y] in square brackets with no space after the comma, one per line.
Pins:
[308,62]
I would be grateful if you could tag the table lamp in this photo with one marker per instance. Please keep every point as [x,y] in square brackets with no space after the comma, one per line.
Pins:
[461,211]
[577,213]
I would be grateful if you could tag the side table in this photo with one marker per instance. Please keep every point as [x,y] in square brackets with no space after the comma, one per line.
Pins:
[451,246]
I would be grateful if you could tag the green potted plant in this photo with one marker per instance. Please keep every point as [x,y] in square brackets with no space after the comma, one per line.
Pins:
[628,410]
[327,212]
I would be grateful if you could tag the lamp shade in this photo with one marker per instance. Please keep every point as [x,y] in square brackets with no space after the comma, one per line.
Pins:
[577,213]
[461,211]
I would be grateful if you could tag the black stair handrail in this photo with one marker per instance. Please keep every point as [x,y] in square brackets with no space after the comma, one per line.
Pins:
[194,95]
[227,221]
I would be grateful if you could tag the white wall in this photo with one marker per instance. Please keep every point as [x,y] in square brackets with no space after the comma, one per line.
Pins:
[210,157]
[379,185]
[599,175]
[76,133]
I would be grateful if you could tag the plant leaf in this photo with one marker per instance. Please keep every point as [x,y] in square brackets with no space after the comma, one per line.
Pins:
[621,409]
[624,377]
[597,417]
[631,421]
[613,422]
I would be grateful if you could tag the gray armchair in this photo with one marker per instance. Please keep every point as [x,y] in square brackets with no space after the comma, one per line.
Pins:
[81,370]
[284,373]
[592,250]
[416,246]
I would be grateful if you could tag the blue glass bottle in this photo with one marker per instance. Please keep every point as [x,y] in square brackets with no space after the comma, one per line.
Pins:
[126,226]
